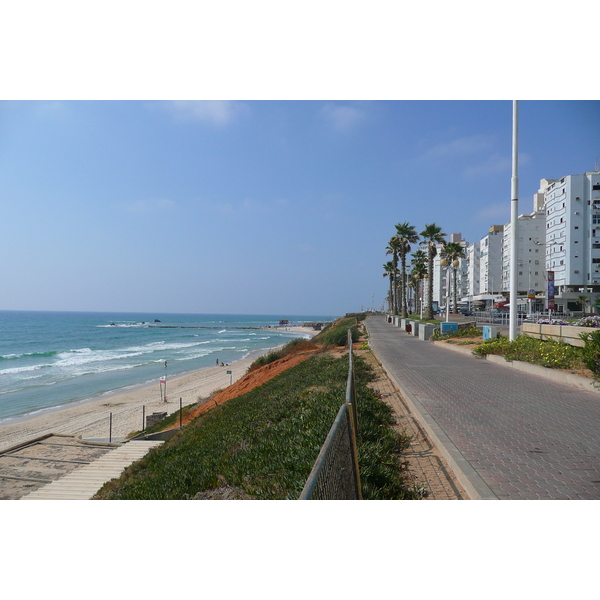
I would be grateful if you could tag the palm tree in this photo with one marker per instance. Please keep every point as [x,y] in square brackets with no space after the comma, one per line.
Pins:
[418,273]
[583,300]
[432,235]
[406,235]
[412,281]
[452,252]
[393,248]
[388,267]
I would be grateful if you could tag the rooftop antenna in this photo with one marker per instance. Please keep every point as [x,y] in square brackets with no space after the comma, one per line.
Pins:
[596,163]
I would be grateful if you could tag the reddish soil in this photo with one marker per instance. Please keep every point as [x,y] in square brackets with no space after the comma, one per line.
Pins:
[247,383]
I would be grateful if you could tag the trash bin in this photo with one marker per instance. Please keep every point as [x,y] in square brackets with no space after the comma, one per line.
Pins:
[408,328]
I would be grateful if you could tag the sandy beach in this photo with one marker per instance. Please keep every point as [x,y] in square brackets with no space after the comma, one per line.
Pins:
[91,419]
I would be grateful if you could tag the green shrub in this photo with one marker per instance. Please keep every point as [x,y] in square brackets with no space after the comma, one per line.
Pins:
[336,334]
[546,353]
[591,352]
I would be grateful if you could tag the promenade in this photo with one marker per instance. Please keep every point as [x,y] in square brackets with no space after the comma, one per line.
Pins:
[506,434]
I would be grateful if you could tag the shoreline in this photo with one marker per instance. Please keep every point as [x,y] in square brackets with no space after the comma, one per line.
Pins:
[90,418]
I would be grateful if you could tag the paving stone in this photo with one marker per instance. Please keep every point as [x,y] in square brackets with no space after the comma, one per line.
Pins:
[522,433]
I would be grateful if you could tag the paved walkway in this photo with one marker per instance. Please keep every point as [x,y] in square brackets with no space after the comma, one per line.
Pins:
[425,467]
[83,483]
[506,434]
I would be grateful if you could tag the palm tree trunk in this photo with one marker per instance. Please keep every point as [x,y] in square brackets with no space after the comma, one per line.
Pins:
[404,302]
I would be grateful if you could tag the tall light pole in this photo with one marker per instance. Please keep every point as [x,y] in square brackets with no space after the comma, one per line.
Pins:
[514,222]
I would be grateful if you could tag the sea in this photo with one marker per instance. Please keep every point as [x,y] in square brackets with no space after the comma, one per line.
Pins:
[49,360]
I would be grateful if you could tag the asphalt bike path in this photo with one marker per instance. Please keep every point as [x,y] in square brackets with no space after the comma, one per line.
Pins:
[506,434]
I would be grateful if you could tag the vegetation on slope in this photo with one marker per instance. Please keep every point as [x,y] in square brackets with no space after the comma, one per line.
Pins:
[336,334]
[265,442]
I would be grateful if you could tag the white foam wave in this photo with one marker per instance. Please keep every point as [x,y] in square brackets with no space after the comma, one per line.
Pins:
[15,370]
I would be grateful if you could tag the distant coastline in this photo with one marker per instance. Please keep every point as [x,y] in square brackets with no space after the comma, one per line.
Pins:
[90,417]
[51,359]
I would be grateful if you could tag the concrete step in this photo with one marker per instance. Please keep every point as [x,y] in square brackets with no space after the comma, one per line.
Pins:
[84,482]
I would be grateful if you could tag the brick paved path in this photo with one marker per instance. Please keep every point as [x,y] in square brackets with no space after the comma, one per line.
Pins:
[523,437]
[425,465]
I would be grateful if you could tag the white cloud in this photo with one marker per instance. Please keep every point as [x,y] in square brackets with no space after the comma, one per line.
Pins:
[497,213]
[458,147]
[150,205]
[342,119]
[496,163]
[493,164]
[214,112]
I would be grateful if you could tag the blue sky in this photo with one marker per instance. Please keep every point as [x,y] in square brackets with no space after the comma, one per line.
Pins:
[254,157]
[255,206]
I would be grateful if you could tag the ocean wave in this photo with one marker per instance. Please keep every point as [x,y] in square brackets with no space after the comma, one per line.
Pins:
[15,370]
[48,354]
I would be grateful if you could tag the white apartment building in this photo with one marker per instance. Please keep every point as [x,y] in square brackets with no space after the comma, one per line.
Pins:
[531,272]
[572,241]
[490,261]
[441,273]
[473,269]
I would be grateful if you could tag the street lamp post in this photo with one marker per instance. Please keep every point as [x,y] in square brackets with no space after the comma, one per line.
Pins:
[514,221]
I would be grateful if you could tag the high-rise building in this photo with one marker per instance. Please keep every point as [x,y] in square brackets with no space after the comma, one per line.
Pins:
[531,275]
[440,274]
[572,241]
[473,270]
[490,261]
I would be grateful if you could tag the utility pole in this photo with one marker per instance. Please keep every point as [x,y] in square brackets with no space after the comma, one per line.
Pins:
[514,222]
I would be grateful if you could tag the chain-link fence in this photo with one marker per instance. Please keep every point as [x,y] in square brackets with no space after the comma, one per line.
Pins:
[335,475]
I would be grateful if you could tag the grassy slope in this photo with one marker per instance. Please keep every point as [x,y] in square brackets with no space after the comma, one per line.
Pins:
[266,441]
